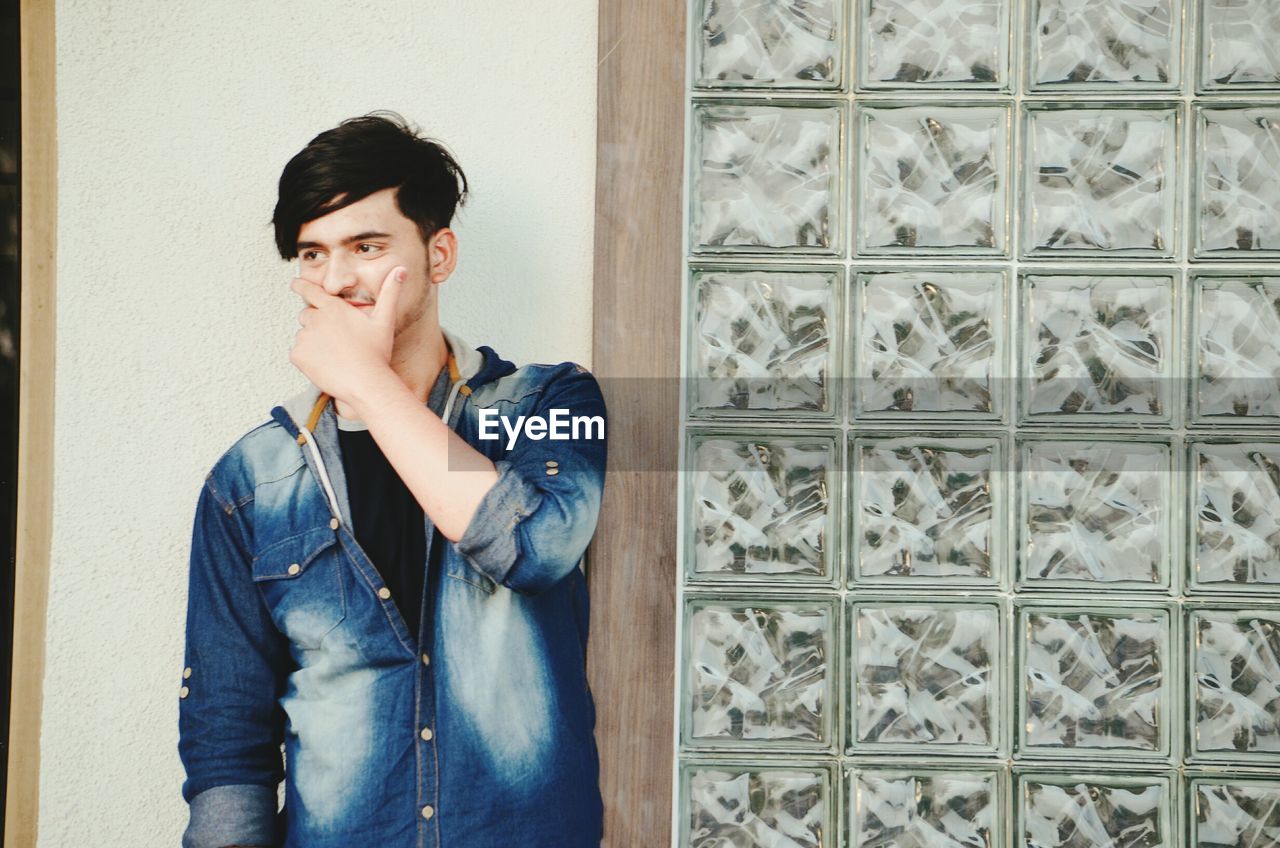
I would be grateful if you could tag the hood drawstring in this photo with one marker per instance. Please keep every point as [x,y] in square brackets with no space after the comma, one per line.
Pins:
[459,385]
[306,437]
[310,442]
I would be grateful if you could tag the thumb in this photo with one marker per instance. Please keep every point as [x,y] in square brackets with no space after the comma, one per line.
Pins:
[389,295]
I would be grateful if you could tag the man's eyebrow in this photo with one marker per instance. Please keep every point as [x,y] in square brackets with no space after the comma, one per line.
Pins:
[367,235]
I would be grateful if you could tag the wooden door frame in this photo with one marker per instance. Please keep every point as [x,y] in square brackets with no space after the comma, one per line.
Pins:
[636,354]
[38,194]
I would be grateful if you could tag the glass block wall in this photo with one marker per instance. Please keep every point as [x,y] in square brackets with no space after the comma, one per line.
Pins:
[980,508]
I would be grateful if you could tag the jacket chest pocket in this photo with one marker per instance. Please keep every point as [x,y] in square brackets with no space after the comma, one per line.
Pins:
[300,579]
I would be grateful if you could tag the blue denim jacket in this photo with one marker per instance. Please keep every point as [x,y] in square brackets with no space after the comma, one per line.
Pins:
[482,735]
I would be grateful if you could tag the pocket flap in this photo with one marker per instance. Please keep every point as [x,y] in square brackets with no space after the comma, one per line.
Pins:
[290,557]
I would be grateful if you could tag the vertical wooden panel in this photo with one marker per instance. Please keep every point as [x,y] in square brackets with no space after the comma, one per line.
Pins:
[35,418]
[636,355]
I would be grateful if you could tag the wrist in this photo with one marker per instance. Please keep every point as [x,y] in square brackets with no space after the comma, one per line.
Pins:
[375,391]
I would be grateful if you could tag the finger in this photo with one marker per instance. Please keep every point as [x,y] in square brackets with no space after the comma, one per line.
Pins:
[312,293]
[384,309]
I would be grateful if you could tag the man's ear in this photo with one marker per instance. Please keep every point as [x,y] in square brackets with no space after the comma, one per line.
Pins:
[442,255]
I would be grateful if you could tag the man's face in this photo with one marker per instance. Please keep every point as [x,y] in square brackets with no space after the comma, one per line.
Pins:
[351,251]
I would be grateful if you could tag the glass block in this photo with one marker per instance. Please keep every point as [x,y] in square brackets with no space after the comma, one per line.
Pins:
[924,510]
[1234,812]
[1237,183]
[1095,811]
[1104,181]
[1095,513]
[748,44]
[928,44]
[1238,44]
[766,178]
[1094,679]
[1236,321]
[1235,663]
[932,178]
[760,674]
[764,342]
[762,506]
[757,806]
[926,678]
[924,808]
[1082,44]
[1235,510]
[929,343]
[1098,348]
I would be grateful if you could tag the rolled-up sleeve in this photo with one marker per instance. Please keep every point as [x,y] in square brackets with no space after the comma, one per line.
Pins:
[533,526]
[244,814]
[230,724]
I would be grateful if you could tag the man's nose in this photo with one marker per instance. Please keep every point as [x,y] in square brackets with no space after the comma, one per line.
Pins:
[339,275]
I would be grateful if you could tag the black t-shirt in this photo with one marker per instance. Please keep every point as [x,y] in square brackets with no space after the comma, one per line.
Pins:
[386,518]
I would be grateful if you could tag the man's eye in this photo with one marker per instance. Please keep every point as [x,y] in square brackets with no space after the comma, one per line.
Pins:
[310,255]
[371,247]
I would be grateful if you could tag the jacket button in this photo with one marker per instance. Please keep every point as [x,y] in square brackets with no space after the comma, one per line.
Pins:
[184,692]
[384,593]
[428,811]
[551,463]
[295,568]
[553,471]
[426,660]
[333,524]
[186,672]
[426,734]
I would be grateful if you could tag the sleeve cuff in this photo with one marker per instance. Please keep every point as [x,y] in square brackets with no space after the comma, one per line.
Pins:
[243,814]
[490,540]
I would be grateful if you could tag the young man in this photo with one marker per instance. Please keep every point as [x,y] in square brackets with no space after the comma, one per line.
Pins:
[376,588]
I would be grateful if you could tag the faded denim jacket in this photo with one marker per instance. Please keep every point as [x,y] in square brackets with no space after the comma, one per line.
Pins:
[481,733]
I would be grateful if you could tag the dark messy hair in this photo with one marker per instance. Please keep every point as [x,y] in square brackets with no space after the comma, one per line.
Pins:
[359,157]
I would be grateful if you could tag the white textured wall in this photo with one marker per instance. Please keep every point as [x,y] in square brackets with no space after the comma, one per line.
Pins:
[174,318]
